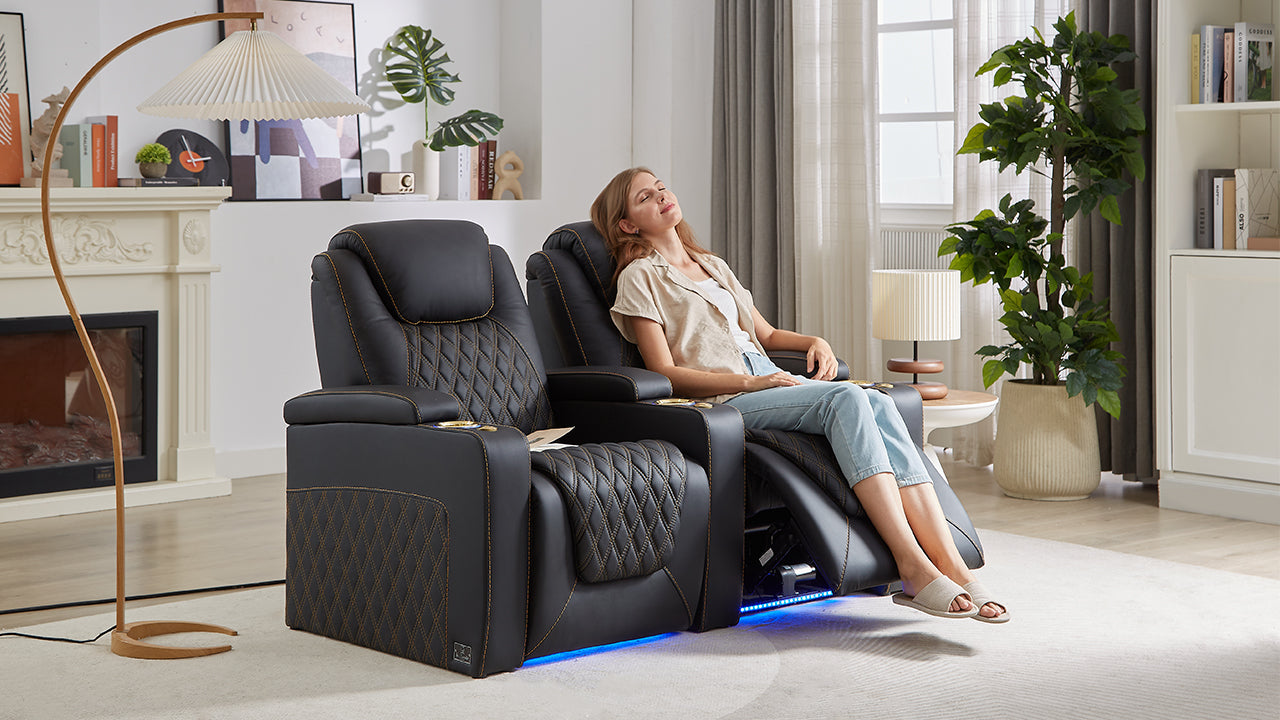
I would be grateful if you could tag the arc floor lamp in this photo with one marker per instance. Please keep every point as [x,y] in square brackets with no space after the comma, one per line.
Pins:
[251,75]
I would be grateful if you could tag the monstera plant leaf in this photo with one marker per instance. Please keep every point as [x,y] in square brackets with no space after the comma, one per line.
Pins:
[469,128]
[416,67]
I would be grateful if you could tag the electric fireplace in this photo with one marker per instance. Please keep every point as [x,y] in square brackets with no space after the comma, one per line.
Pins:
[54,433]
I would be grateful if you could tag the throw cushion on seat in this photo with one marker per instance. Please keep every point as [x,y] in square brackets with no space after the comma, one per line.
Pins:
[624,504]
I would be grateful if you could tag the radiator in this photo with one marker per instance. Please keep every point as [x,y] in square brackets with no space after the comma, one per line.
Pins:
[911,248]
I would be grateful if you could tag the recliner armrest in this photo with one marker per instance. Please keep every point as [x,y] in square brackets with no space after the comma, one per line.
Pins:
[384,404]
[606,383]
[793,361]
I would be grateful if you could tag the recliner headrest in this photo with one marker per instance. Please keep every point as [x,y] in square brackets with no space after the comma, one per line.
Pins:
[587,246]
[425,270]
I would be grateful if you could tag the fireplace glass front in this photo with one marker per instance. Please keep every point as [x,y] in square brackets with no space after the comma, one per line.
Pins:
[54,432]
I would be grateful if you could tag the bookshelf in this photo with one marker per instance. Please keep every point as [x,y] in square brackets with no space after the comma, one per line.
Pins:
[1217,312]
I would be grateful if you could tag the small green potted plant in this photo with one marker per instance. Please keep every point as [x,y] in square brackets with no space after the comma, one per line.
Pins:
[415,68]
[1070,114]
[153,160]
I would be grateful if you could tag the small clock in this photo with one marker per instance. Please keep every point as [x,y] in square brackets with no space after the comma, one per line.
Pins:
[195,156]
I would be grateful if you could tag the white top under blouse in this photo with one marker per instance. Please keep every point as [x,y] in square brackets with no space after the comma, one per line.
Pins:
[723,301]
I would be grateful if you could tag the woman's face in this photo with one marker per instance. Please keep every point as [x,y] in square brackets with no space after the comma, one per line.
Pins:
[651,207]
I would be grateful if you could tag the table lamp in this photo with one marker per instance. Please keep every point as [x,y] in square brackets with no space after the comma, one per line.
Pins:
[916,305]
[251,75]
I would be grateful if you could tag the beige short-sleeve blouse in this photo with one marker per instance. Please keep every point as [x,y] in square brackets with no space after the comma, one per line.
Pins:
[696,331]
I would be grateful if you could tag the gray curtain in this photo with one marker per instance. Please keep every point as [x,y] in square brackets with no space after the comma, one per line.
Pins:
[1121,257]
[752,209]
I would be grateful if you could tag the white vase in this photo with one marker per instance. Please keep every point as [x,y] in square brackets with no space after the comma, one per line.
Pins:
[1046,443]
[426,171]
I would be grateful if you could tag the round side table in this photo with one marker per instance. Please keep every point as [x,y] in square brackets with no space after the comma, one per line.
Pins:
[959,407]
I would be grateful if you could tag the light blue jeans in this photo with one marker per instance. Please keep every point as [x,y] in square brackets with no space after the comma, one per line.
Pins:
[864,428]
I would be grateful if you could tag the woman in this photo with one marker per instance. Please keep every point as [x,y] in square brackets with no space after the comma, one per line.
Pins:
[695,323]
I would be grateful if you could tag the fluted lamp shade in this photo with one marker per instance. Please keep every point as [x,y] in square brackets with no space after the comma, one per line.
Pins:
[916,305]
[253,75]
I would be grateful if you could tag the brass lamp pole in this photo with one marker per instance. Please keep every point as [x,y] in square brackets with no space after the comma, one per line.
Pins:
[129,639]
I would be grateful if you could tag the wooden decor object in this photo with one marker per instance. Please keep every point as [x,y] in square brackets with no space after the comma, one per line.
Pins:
[508,177]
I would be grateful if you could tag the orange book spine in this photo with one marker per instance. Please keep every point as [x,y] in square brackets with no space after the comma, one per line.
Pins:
[99,155]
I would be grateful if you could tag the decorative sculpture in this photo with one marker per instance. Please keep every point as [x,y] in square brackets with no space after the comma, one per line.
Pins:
[507,177]
[40,128]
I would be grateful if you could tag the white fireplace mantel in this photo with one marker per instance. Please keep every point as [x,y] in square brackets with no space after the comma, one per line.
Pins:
[126,250]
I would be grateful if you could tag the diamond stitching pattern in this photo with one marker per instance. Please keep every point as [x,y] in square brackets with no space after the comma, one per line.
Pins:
[482,365]
[813,455]
[370,567]
[623,501]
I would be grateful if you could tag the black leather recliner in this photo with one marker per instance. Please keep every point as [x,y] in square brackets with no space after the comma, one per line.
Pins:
[419,521]
[801,513]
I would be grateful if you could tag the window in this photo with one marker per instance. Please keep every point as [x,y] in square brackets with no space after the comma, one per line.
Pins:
[917,103]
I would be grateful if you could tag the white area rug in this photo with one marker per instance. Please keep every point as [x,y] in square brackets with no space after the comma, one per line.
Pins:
[1095,634]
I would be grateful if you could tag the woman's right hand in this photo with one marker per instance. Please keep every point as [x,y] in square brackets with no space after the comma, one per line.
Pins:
[764,382]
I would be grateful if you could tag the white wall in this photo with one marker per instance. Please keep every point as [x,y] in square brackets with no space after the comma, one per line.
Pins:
[579,91]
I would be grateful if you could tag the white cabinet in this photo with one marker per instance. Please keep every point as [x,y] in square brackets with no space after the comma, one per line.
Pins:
[1217,335]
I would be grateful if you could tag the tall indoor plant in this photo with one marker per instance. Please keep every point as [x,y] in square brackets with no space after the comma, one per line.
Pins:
[415,68]
[1068,118]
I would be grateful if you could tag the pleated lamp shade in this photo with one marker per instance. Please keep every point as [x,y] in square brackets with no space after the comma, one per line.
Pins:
[253,75]
[915,304]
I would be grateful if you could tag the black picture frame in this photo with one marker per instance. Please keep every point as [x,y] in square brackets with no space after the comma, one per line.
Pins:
[317,159]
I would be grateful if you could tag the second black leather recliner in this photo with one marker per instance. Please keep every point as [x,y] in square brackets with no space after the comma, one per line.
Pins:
[800,510]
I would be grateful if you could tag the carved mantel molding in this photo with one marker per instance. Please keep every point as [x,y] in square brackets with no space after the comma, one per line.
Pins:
[130,249]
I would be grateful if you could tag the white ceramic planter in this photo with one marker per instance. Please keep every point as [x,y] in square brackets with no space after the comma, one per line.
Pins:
[426,171]
[1046,443]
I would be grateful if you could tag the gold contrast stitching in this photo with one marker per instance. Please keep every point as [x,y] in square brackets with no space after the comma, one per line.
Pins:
[488,555]
[492,292]
[557,621]
[565,303]
[345,308]
[417,411]
[635,386]
[688,613]
[591,263]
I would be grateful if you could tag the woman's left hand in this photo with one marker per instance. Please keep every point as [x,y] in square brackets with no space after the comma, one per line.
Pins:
[820,356]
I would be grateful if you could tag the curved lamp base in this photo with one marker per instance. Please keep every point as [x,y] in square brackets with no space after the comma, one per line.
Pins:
[129,641]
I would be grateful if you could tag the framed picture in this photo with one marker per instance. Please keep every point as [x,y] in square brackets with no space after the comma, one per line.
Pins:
[15,109]
[316,159]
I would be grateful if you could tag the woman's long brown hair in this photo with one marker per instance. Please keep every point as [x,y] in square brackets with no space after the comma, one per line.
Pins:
[609,209]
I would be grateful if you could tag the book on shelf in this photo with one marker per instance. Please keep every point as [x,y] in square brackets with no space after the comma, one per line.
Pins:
[1223,211]
[485,189]
[99,154]
[77,153]
[491,170]
[1193,90]
[455,173]
[111,147]
[1257,207]
[158,182]
[1229,65]
[474,167]
[1211,62]
[1207,222]
[1254,57]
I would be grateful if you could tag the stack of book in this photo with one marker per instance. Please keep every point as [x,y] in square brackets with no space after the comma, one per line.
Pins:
[1238,209]
[91,151]
[1232,63]
[468,173]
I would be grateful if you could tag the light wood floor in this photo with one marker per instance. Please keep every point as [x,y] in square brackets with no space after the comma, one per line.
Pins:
[240,539]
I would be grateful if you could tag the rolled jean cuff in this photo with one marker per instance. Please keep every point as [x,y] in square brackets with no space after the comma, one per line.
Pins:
[901,480]
[912,479]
